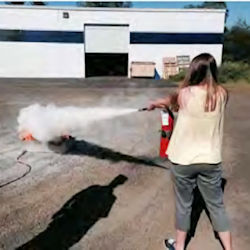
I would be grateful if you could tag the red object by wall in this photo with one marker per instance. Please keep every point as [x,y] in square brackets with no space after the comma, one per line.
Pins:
[167,125]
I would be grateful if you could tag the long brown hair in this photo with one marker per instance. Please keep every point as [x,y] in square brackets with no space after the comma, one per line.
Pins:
[203,71]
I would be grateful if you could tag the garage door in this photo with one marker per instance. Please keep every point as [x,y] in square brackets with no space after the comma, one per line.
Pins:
[106,38]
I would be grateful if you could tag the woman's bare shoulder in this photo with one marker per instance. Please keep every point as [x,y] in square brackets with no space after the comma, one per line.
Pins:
[223,91]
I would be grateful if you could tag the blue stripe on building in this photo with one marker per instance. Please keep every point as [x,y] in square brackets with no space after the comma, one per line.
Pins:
[175,38]
[135,37]
[41,36]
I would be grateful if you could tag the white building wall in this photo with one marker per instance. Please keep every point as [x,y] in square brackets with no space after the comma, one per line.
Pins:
[41,60]
[181,20]
[33,59]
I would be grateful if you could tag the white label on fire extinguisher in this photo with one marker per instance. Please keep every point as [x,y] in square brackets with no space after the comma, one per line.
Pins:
[164,118]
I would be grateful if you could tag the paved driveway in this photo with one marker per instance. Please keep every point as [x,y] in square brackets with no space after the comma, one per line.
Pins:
[107,194]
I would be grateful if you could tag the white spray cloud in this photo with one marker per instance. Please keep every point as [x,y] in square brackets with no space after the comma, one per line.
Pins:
[48,122]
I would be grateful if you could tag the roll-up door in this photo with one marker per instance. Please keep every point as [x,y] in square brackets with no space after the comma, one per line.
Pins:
[106,39]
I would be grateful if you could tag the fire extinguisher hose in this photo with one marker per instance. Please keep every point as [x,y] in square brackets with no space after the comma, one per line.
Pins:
[28,169]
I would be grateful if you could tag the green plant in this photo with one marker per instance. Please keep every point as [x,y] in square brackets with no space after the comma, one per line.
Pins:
[179,77]
[236,43]
[234,71]
[105,4]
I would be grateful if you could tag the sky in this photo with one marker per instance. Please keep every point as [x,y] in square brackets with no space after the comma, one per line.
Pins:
[237,10]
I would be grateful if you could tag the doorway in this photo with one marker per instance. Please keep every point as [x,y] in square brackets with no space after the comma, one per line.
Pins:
[106,50]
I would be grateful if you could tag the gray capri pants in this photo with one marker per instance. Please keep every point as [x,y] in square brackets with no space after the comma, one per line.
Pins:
[208,179]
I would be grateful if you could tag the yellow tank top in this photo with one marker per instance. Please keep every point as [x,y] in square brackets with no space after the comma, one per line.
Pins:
[197,135]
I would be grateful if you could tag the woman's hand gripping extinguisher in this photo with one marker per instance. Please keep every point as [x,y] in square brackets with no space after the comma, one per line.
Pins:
[167,125]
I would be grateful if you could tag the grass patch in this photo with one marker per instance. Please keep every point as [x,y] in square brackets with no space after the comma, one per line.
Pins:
[234,72]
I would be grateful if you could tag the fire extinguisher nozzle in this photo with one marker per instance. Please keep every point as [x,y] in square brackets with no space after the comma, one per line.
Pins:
[142,109]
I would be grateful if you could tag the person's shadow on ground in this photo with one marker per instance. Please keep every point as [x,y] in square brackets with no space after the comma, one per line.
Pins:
[81,147]
[198,207]
[76,217]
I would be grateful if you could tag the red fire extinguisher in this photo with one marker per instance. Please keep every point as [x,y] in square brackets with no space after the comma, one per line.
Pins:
[167,125]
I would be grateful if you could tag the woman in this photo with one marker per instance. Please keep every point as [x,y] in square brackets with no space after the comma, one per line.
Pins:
[195,147]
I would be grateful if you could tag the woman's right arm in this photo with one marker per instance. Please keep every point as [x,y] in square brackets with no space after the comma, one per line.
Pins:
[168,102]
